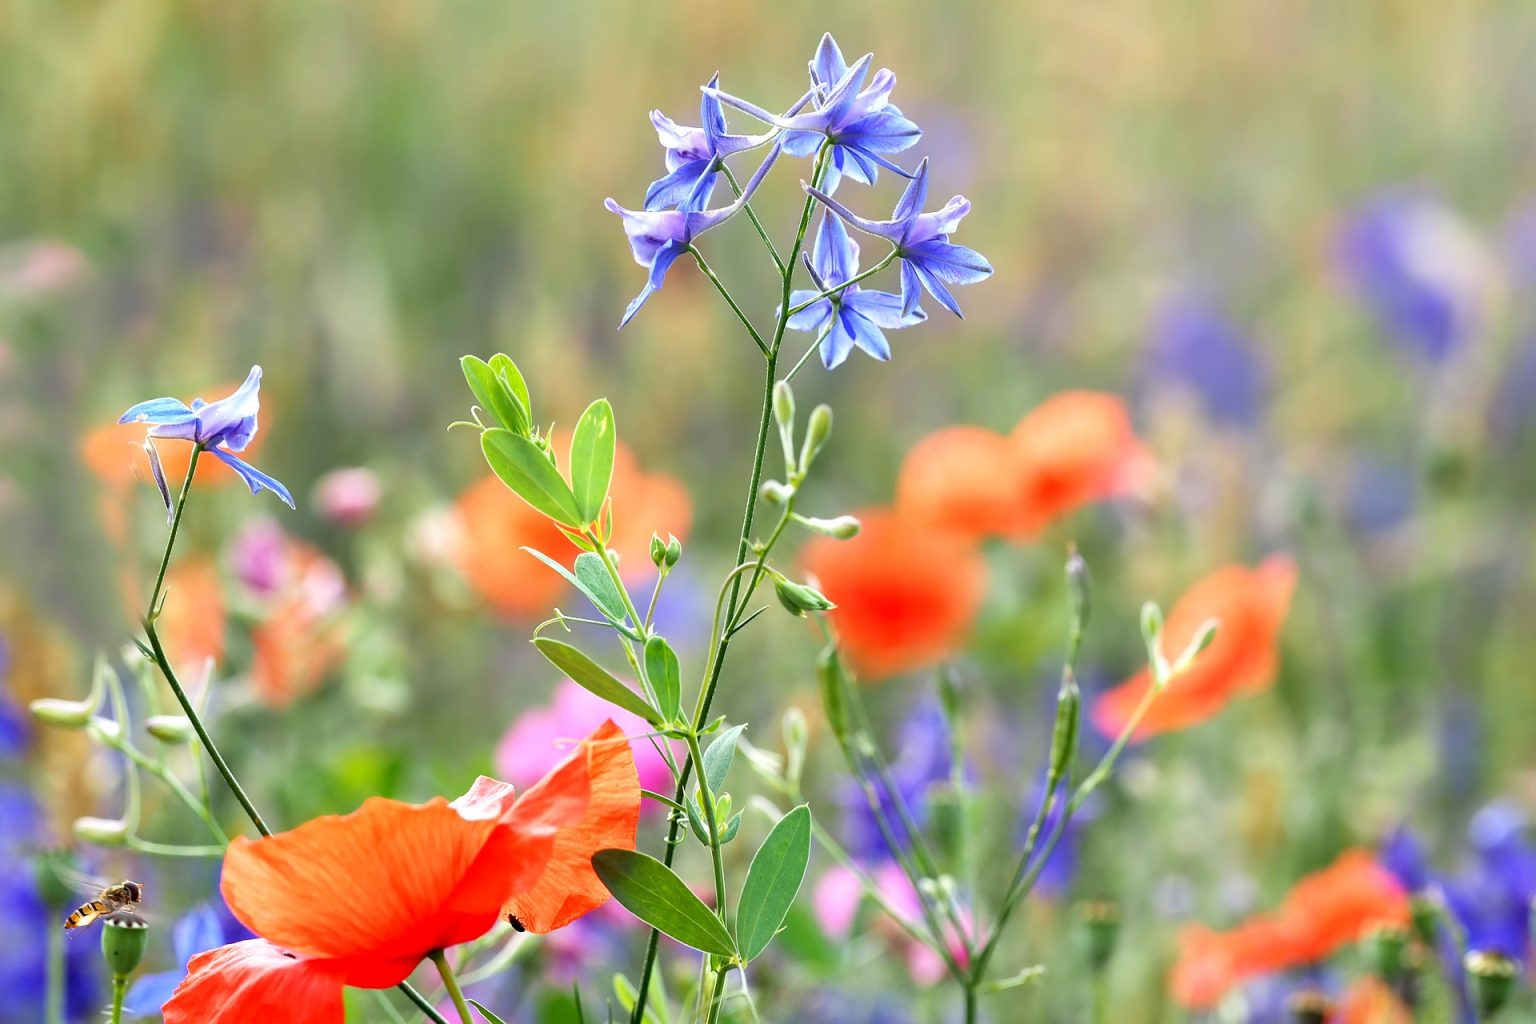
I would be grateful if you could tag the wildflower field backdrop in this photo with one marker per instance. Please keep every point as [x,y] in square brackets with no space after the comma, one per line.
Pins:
[1153,643]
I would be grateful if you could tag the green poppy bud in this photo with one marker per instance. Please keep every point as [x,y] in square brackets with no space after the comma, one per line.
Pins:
[798,599]
[1492,977]
[658,550]
[1385,947]
[1101,932]
[169,728]
[50,870]
[101,831]
[674,550]
[818,430]
[838,528]
[62,714]
[124,937]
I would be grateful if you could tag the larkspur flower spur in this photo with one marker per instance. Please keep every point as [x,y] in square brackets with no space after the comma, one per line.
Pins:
[852,317]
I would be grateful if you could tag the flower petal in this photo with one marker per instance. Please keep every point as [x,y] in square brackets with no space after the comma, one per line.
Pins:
[813,317]
[884,228]
[865,334]
[911,202]
[604,768]
[254,982]
[943,221]
[932,283]
[158,410]
[254,478]
[883,309]
[835,254]
[231,421]
[954,264]
[828,65]
[668,192]
[665,257]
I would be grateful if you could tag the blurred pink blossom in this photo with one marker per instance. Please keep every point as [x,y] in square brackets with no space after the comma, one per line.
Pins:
[839,894]
[348,497]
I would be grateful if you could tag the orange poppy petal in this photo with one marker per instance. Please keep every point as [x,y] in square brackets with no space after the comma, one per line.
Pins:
[431,877]
[1074,448]
[966,479]
[569,887]
[255,982]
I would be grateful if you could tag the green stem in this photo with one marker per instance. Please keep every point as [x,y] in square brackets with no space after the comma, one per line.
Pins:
[744,542]
[717,997]
[163,662]
[119,990]
[970,1004]
[807,355]
[172,849]
[709,272]
[773,251]
[53,1000]
[890,258]
[707,799]
[165,775]
[451,983]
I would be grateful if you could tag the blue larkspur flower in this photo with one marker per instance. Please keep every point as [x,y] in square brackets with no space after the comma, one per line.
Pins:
[928,259]
[695,155]
[853,317]
[222,427]
[860,123]
[658,237]
[924,762]
[1195,346]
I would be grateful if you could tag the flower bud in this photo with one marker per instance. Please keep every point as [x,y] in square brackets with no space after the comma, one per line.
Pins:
[658,550]
[101,831]
[1492,977]
[1078,587]
[838,528]
[62,714]
[674,550]
[105,730]
[818,430]
[797,598]
[775,493]
[1069,713]
[732,827]
[1101,932]
[1385,946]
[1151,624]
[834,697]
[796,732]
[1203,638]
[784,404]
[124,937]
[169,728]
[1309,1007]
[1424,913]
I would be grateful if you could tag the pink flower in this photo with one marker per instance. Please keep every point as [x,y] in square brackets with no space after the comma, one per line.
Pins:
[542,736]
[348,497]
[839,894]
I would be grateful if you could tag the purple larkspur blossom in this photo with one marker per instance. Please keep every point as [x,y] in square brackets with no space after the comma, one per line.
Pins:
[923,764]
[853,317]
[222,427]
[658,237]
[1420,269]
[921,241]
[1195,346]
[695,155]
[858,122]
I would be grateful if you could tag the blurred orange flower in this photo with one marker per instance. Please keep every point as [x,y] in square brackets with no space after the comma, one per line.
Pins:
[495,525]
[966,479]
[192,622]
[1252,605]
[1074,448]
[301,636]
[1368,1001]
[440,874]
[906,593]
[1323,913]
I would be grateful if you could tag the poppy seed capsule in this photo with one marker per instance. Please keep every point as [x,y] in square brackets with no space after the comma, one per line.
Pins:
[62,714]
[1101,932]
[124,937]
[1385,946]
[1493,980]
[1309,1007]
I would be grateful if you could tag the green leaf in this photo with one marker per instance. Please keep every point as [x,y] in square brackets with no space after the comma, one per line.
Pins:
[593,579]
[490,1017]
[506,370]
[665,674]
[494,393]
[607,604]
[718,756]
[530,474]
[773,881]
[592,447]
[655,1003]
[648,889]
[589,674]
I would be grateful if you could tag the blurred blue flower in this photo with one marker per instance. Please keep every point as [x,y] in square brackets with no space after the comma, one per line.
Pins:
[835,1006]
[200,930]
[1514,402]
[15,725]
[1419,268]
[924,762]
[860,124]
[1057,874]
[855,316]
[694,155]
[928,259]
[658,237]
[30,924]
[222,427]
[1378,494]
[1194,346]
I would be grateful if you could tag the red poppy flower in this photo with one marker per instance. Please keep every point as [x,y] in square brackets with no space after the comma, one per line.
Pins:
[1252,605]
[497,525]
[906,593]
[361,899]
[301,635]
[256,981]
[965,479]
[1074,448]
[1324,912]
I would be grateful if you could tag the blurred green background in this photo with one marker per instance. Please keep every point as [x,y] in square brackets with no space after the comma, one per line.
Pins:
[354,195]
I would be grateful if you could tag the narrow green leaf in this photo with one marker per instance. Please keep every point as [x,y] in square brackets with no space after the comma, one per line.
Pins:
[490,1017]
[589,674]
[506,370]
[495,395]
[525,469]
[666,676]
[773,881]
[606,604]
[592,448]
[648,889]
[718,756]
[593,579]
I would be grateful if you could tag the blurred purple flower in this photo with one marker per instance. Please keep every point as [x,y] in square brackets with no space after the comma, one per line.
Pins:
[860,124]
[222,427]
[15,724]
[258,555]
[694,155]
[1514,402]
[1419,268]
[928,259]
[658,237]
[924,762]
[1194,346]
[855,317]
[1378,494]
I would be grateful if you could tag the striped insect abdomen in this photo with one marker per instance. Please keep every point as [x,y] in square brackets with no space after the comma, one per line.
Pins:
[86,913]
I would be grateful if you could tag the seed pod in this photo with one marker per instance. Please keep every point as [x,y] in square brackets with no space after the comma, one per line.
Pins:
[62,714]
[124,937]
[834,699]
[1069,713]
[1101,932]
[1493,980]
[169,728]
[101,831]
[1079,587]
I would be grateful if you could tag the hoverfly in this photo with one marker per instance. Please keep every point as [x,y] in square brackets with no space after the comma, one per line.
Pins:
[119,898]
